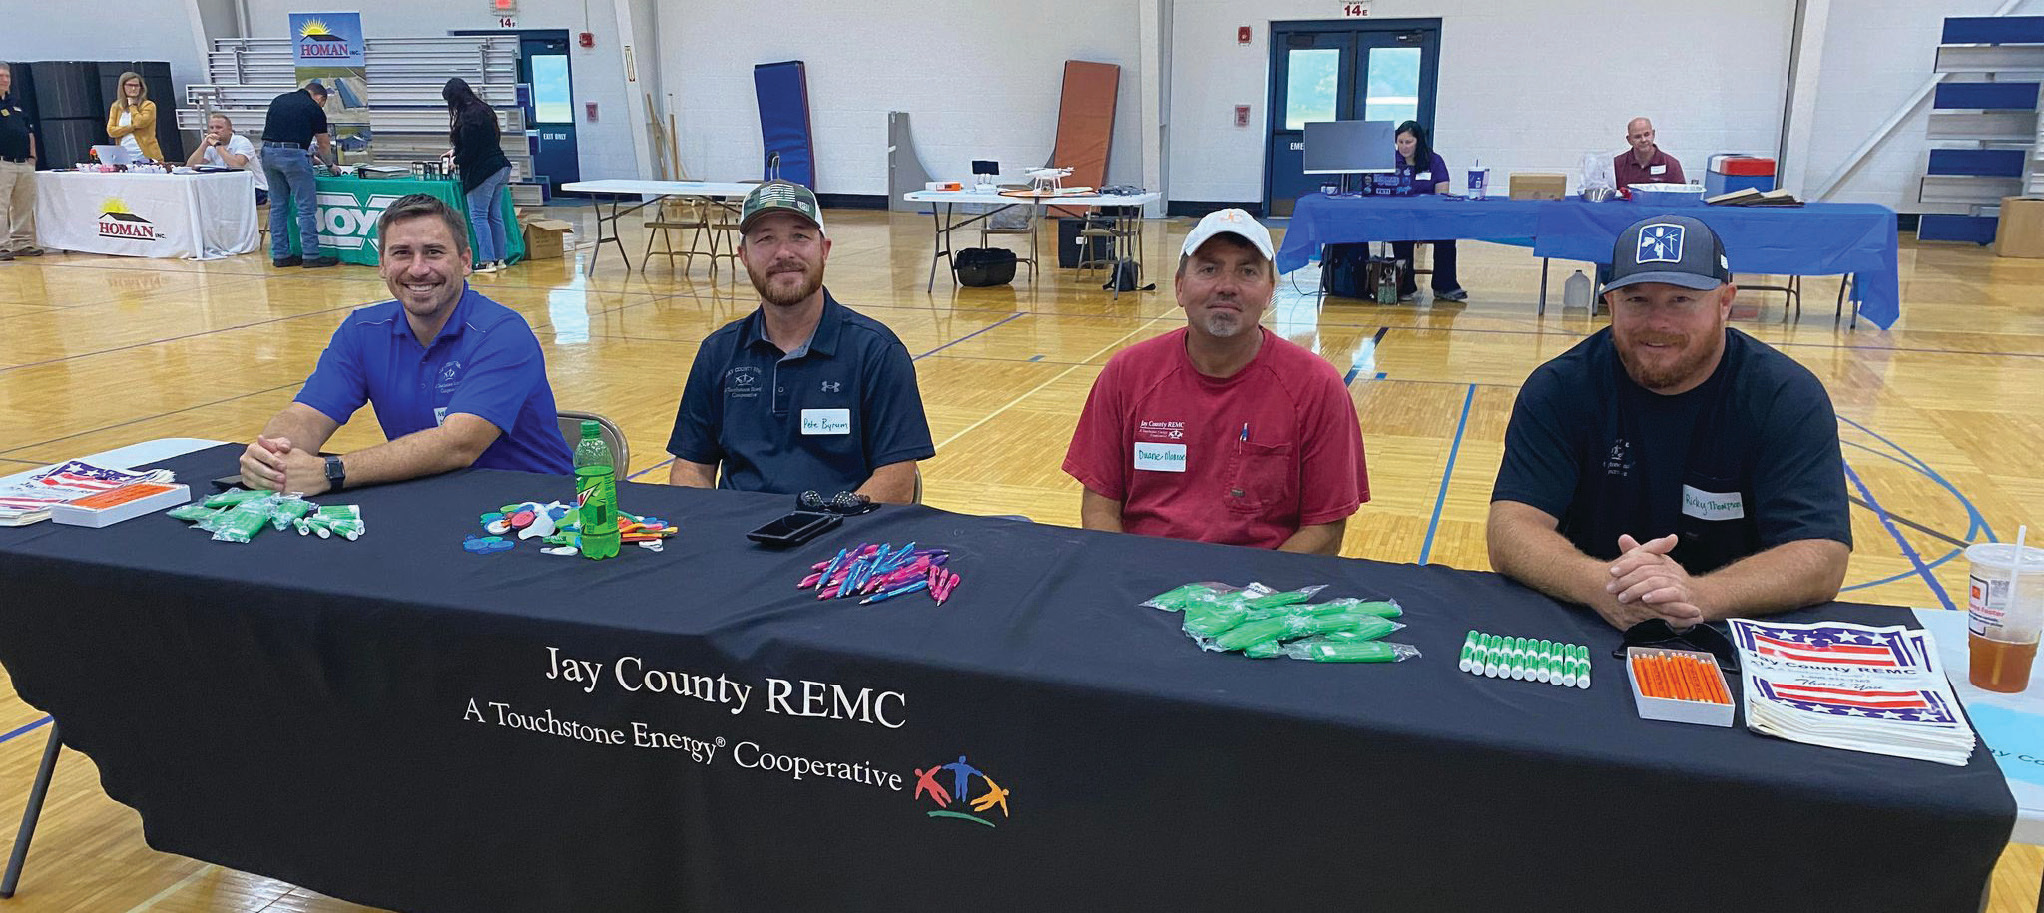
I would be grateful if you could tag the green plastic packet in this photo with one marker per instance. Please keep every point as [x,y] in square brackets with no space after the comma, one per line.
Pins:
[1326,651]
[241,524]
[191,513]
[341,513]
[234,496]
[1288,597]
[1212,621]
[1382,608]
[1249,634]
[1358,626]
[288,509]
[1188,596]
[1269,649]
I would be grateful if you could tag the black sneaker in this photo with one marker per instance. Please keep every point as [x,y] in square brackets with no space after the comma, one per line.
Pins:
[6,255]
[29,252]
[282,262]
[1456,295]
[317,262]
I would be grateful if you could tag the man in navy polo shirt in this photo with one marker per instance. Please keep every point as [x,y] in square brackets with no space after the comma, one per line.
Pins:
[1669,467]
[803,394]
[456,379]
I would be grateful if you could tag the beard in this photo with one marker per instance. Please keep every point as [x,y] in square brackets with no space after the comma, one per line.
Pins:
[1658,369]
[781,294]
[1223,324]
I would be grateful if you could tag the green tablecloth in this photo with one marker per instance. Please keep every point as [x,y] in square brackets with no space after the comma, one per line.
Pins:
[349,207]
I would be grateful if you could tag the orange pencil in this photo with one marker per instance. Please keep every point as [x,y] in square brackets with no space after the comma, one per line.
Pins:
[1717,681]
[1693,667]
[1683,685]
[1664,681]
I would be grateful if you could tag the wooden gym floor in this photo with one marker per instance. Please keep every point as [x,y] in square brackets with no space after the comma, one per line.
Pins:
[100,352]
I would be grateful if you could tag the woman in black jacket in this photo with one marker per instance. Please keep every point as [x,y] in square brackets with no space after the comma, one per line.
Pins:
[478,150]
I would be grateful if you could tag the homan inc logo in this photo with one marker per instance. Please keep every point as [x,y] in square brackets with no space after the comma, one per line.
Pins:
[115,221]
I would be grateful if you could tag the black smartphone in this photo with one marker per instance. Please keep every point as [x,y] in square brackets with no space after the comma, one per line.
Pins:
[794,529]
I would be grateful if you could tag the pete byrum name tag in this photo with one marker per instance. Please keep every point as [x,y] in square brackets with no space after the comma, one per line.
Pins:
[1657,170]
[1709,505]
[1160,457]
[826,421]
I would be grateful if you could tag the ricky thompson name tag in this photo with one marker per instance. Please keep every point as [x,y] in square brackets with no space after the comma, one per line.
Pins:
[1160,457]
[826,421]
[1709,505]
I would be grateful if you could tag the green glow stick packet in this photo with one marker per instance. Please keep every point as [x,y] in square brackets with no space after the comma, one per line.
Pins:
[1189,596]
[1318,650]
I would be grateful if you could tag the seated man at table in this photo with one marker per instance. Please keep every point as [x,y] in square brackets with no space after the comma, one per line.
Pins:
[224,148]
[1668,466]
[1222,431]
[456,379]
[1644,163]
[803,394]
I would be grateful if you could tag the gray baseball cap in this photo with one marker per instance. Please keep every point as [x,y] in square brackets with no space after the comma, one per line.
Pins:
[1677,250]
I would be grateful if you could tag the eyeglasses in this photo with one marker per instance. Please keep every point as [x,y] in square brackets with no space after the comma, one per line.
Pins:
[1656,632]
[844,503]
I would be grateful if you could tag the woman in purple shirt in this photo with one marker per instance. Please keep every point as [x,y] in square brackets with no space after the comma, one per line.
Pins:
[1423,168]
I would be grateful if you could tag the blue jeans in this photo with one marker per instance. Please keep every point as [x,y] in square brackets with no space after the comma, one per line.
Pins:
[289,170]
[486,217]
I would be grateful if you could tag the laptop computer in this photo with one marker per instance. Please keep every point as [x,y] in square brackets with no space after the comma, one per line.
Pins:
[114,155]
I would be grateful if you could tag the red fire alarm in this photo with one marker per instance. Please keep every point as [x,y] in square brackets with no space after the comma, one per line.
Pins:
[586,39]
[1242,35]
[1241,115]
[590,108]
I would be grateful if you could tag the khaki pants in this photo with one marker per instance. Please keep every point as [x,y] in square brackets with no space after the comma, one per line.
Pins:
[17,205]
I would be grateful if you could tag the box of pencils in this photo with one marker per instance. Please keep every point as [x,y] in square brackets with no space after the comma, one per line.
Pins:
[1681,686]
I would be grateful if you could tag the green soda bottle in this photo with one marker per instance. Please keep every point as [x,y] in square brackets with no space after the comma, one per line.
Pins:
[596,494]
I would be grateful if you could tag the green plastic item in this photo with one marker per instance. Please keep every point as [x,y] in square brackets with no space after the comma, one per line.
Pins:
[1321,651]
[1249,634]
[241,524]
[1213,621]
[234,496]
[1267,650]
[1288,597]
[191,513]
[288,510]
[1378,607]
[1185,597]
[1353,627]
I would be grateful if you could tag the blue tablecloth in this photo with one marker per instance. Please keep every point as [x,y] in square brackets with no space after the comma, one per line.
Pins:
[1813,240]
[1818,239]
[1320,219]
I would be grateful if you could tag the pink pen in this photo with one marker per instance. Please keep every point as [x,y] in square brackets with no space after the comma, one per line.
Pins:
[810,581]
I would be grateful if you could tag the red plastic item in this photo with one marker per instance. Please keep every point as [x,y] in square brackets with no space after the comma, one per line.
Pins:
[1748,166]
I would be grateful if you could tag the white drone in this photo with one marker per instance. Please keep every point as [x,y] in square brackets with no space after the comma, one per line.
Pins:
[1048,180]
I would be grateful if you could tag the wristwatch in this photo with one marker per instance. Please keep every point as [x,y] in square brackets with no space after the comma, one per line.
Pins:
[336,477]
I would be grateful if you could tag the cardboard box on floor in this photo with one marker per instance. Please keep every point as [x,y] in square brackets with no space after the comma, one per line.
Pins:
[545,239]
[1534,185]
[2020,232]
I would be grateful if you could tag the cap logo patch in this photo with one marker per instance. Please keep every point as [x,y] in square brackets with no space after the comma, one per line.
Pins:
[1660,243]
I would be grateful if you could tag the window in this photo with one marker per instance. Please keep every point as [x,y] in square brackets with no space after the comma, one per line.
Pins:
[1392,91]
[1312,77]
[551,102]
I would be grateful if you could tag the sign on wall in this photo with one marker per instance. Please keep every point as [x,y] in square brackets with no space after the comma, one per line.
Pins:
[328,47]
[1356,10]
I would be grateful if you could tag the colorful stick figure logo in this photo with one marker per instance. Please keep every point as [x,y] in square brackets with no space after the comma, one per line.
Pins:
[931,783]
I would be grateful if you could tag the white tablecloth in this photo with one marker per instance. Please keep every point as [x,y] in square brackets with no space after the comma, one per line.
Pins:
[199,216]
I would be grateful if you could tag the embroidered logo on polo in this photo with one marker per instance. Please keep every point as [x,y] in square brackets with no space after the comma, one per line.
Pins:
[1660,243]
[743,382]
[962,775]
[1160,431]
[832,386]
[450,377]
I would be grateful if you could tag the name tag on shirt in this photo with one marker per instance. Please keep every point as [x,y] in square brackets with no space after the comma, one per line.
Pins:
[1657,170]
[1423,176]
[439,416]
[1160,457]
[1709,505]
[826,421]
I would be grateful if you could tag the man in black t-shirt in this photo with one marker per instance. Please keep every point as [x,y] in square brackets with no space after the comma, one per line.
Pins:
[1668,466]
[17,173]
[294,123]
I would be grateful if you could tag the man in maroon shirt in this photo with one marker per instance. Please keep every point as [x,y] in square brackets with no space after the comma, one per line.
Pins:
[1221,431]
[1645,163]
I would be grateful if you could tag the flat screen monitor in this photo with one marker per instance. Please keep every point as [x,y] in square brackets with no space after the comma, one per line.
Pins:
[1350,146]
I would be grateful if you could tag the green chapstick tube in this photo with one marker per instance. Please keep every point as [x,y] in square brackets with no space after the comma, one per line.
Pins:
[1543,661]
[1468,657]
[1490,656]
[1582,667]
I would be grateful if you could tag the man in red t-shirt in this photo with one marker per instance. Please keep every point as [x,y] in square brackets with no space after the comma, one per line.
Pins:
[1644,163]
[1221,431]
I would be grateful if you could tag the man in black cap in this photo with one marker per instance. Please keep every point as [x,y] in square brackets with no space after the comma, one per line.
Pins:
[1668,466]
[803,394]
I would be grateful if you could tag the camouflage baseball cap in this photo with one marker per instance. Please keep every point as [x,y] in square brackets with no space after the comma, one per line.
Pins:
[780,196]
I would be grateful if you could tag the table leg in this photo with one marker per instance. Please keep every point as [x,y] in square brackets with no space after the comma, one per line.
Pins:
[1543,286]
[36,794]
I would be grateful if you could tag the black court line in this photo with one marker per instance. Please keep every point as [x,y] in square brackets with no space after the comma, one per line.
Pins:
[156,342]
[1905,521]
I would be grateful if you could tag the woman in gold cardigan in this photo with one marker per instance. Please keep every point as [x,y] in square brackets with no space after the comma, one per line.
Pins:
[132,120]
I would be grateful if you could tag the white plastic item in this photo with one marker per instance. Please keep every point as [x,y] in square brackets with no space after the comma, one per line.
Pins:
[1575,293]
[1989,612]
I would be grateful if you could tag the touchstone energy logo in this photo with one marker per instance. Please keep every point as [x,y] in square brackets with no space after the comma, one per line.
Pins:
[115,221]
[961,776]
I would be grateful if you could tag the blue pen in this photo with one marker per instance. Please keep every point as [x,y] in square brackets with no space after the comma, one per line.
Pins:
[1245,431]
[902,557]
[832,569]
[890,594]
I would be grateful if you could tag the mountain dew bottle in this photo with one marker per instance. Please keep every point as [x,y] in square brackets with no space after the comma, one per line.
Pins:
[596,493]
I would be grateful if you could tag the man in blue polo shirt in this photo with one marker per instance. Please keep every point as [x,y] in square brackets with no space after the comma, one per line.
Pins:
[804,394]
[456,379]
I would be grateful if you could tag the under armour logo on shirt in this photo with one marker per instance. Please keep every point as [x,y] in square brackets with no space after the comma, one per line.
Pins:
[1660,244]
[831,386]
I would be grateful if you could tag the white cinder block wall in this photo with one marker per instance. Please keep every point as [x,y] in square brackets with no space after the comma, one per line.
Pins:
[980,80]
[1523,86]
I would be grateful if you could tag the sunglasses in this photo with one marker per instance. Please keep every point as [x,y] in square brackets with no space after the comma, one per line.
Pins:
[844,503]
[1656,632]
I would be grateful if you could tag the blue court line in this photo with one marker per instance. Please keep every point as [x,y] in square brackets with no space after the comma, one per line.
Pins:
[1035,358]
[1971,511]
[1381,375]
[1908,550]
[1366,352]
[1427,548]
[28,728]
[1016,315]
[649,469]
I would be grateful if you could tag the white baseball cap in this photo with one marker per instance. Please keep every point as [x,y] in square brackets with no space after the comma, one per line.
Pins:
[1234,222]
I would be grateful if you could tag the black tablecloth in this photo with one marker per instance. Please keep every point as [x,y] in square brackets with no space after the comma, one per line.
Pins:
[332,713]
